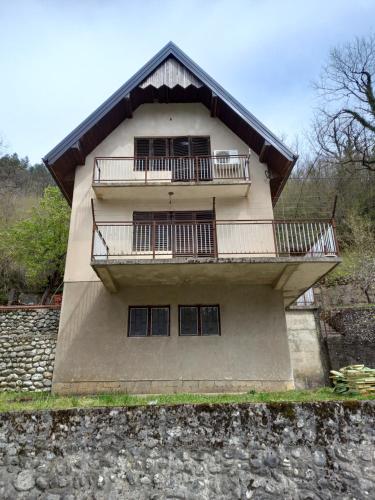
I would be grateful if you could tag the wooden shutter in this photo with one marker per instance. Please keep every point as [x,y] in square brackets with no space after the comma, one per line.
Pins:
[193,233]
[201,150]
[143,234]
[159,147]
[200,146]
[180,146]
[142,149]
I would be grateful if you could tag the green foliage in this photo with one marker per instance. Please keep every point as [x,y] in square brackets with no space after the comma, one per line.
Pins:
[343,273]
[38,242]
[13,401]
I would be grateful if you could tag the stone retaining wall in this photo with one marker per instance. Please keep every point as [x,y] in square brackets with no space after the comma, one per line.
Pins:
[287,451]
[27,347]
[351,337]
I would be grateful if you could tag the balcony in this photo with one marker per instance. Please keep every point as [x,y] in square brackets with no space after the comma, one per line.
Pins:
[290,256]
[187,177]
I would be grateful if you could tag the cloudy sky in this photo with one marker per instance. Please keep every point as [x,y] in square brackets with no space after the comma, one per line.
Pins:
[59,59]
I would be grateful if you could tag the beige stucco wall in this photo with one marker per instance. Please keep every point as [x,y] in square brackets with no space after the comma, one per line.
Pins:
[163,120]
[305,350]
[94,352]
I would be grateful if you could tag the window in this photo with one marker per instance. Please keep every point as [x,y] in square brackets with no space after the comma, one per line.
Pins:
[182,233]
[199,320]
[148,321]
[147,148]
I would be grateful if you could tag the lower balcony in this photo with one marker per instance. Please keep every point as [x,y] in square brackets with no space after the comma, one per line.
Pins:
[187,177]
[288,255]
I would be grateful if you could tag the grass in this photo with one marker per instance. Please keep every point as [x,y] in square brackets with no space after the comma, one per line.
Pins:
[20,401]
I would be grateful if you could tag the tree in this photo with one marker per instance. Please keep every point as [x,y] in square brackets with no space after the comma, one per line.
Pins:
[363,251]
[344,125]
[38,243]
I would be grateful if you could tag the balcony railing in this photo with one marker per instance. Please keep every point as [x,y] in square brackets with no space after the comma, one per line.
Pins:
[197,169]
[211,238]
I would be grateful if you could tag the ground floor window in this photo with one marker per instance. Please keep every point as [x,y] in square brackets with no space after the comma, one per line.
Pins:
[199,320]
[148,321]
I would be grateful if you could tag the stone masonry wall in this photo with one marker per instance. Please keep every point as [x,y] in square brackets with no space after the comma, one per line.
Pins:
[350,336]
[27,348]
[286,451]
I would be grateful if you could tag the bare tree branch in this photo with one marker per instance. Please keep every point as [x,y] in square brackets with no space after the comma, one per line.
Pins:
[344,126]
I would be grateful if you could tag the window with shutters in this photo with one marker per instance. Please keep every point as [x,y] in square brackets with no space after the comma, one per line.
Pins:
[199,320]
[148,321]
[149,150]
[189,233]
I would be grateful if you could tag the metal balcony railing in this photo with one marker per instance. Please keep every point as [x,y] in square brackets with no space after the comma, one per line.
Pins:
[143,170]
[213,238]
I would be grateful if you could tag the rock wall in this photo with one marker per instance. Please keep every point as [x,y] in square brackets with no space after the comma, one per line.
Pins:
[27,348]
[284,451]
[306,349]
[350,337]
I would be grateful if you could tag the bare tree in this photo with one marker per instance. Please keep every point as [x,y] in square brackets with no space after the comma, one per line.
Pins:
[363,253]
[344,125]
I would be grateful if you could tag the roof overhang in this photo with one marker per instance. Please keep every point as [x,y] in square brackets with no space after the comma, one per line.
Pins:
[72,151]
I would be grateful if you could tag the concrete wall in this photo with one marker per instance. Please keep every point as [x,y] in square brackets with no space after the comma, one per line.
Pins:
[95,354]
[264,451]
[159,120]
[93,351]
[306,354]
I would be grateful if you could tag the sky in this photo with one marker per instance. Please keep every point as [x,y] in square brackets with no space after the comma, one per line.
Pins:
[60,59]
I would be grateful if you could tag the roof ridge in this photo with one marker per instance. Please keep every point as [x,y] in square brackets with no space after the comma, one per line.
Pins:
[169,49]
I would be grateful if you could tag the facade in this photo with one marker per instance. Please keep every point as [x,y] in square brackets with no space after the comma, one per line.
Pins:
[177,275]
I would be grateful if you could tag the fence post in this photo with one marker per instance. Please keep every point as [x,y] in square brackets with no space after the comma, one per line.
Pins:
[216,253]
[153,238]
[274,239]
[333,222]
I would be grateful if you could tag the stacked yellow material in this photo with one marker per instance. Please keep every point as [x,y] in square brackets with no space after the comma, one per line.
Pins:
[354,378]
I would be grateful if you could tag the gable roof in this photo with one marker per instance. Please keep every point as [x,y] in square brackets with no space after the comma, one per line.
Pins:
[198,86]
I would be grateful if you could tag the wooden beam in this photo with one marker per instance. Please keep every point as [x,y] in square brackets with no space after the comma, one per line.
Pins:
[264,151]
[214,105]
[128,106]
[78,152]
[285,275]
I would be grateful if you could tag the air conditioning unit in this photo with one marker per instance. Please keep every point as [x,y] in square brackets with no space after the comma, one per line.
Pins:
[225,157]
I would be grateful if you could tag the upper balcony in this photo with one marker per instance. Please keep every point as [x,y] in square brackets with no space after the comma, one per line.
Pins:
[187,177]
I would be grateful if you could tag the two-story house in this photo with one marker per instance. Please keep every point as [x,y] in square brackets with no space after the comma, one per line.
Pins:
[177,274]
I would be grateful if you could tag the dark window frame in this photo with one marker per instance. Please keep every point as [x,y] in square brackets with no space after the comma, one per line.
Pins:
[149,322]
[169,143]
[199,326]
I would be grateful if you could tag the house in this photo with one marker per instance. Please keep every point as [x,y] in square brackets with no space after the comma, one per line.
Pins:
[177,274]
